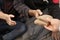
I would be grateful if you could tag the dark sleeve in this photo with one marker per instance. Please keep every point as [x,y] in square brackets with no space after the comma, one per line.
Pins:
[0,5]
[1,2]
[48,7]
[0,9]
[20,7]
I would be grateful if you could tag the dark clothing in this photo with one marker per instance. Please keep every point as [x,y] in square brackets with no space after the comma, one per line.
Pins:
[36,32]
[39,33]
[23,6]
[36,4]
[17,7]
[9,32]
[13,7]
[54,9]
[0,4]
[8,6]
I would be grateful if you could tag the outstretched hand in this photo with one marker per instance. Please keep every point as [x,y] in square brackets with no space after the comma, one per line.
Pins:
[9,21]
[7,18]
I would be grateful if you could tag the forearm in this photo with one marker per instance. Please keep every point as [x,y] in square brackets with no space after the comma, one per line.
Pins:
[3,16]
[30,12]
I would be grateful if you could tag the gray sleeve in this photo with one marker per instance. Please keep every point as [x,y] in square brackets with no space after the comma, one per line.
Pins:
[20,7]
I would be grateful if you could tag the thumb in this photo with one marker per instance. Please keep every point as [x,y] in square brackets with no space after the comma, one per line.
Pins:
[12,16]
[36,15]
[49,27]
[39,11]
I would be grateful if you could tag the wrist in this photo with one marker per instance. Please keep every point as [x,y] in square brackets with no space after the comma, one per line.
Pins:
[31,12]
[3,16]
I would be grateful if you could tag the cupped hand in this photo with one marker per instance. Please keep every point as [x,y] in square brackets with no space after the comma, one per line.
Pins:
[9,20]
[54,25]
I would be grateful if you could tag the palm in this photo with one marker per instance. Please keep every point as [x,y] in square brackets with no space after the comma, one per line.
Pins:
[9,21]
[53,26]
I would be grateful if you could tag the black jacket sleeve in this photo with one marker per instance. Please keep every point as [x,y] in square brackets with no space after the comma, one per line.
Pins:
[20,7]
[1,1]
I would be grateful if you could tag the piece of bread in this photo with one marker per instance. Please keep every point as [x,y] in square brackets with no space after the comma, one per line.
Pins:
[41,20]
[45,17]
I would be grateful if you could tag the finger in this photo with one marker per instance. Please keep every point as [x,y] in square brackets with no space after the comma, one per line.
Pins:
[13,23]
[36,15]
[49,28]
[39,11]
[11,15]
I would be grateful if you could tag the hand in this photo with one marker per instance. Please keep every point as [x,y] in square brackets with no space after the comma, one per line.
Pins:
[54,24]
[9,21]
[35,13]
[7,18]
